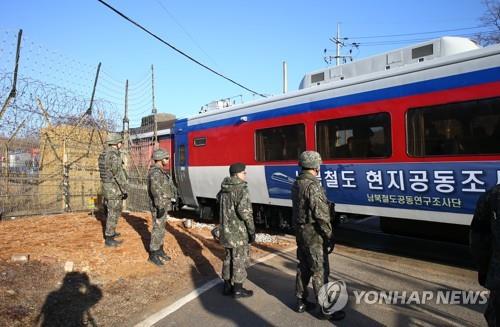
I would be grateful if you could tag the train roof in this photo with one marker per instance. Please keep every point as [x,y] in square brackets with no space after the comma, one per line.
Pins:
[445,50]
[422,52]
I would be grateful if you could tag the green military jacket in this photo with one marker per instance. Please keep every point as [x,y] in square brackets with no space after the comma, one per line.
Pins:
[118,184]
[310,205]
[485,238]
[161,188]
[235,212]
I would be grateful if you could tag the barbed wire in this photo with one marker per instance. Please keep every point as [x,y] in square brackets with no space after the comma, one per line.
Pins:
[50,140]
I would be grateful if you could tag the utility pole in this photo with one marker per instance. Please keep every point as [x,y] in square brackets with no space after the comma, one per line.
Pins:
[338,43]
[153,88]
[126,137]
[285,77]
[155,127]
[126,122]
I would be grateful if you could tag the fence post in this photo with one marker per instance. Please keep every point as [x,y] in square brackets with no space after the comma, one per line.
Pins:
[65,181]
[5,163]
[13,92]
[7,151]
[7,166]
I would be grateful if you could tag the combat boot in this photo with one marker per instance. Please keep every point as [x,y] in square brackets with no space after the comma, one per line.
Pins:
[337,315]
[239,291]
[155,258]
[163,255]
[303,305]
[228,288]
[111,242]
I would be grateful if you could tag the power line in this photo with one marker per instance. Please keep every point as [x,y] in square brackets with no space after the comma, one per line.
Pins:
[410,34]
[186,32]
[177,50]
[402,41]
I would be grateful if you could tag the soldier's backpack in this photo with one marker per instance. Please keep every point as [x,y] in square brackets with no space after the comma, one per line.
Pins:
[104,174]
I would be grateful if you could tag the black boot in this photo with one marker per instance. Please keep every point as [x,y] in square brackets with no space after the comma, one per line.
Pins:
[111,242]
[337,315]
[301,306]
[155,258]
[228,288]
[116,234]
[163,255]
[239,291]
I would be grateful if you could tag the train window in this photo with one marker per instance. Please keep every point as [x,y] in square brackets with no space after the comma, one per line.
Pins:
[200,141]
[280,143]
[464,128]
[182,155]
[355,137]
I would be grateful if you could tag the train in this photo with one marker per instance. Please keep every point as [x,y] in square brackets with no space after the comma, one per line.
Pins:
[411,135]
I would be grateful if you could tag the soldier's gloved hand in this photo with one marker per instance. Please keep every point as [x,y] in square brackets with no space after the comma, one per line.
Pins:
[251,237]
[160,212]
[175,206]
[124,196]
[331,245]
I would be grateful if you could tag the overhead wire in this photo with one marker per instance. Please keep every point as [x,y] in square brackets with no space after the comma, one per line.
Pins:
[413,40]
[176,49]
[186,32]
[411,34]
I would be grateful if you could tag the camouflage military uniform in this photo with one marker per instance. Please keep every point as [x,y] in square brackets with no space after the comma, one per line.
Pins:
[311,218]
[485,246]
[161,191]
[237,224]
[114,187]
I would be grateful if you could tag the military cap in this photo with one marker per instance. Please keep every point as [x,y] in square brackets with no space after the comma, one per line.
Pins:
[310,160]
[237,167]
[160,154]
[114,138]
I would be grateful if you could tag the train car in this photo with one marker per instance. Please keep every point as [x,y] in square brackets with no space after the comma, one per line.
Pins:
[409,135]
[142,147]
[142,139]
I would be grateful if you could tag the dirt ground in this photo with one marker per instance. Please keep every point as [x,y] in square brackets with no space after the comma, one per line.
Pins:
[108,286]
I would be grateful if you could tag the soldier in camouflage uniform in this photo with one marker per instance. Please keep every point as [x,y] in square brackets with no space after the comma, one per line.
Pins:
[114,186]
[236,230]
[162,192]
[485,247]
[314,235]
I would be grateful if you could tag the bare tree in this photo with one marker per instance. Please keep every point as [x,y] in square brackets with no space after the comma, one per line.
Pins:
[490,18]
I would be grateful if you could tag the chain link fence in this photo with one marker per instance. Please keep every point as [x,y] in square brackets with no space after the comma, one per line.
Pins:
[52,131]
[140,150]
[50,134]
[153,133]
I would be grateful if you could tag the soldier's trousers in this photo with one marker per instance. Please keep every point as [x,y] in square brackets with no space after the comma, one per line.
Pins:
[313,264]
[234,267]
[158,231]
[492,313]
[114,207]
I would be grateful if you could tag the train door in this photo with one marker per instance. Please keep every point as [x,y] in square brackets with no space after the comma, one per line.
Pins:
[181,167]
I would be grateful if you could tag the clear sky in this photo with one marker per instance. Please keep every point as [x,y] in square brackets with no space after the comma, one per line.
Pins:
[245,40]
